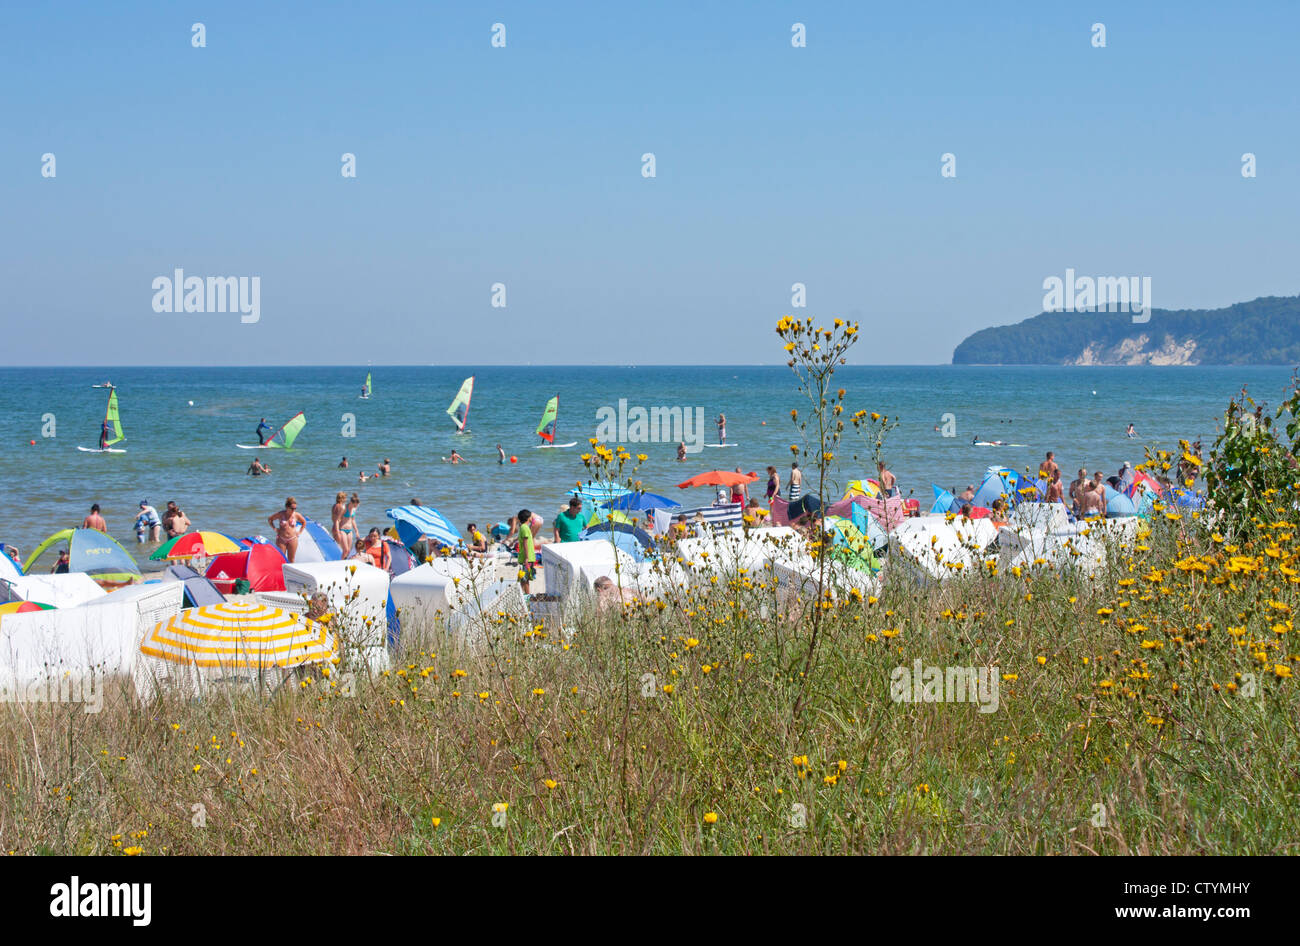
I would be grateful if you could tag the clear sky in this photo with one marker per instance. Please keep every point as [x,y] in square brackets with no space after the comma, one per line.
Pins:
[522,165]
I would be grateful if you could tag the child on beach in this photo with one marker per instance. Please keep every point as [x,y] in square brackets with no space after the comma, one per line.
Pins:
[527,552]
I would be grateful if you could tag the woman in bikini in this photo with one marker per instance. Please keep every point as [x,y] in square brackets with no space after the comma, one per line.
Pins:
[348,525]
[773,483]
[288,522]
[336,521]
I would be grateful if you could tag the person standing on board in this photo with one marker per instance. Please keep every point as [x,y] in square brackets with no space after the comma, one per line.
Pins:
[527,553]
[722,428]
[94,520]
[288,523]
[261,426]
[103,435]
[796,481]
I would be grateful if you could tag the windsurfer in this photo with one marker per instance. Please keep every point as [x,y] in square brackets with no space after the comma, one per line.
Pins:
[104,435]
[722,428]
[261,426]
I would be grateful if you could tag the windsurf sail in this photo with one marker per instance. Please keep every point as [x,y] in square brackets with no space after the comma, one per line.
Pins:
[459,410]
[546,429]
[114,421]
[366,390]
[286,435]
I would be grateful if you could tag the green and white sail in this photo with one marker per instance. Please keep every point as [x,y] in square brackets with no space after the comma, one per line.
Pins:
[114,421]
[459,410]
[286,435]
[367,390]
[546,429]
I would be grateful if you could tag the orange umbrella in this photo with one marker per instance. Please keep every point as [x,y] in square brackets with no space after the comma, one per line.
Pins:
[719,478]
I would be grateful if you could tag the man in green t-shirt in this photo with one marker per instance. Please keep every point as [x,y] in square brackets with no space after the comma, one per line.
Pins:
[570,522]
[527,554]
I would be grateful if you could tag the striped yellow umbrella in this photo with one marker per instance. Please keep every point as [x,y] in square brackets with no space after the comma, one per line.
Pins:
[239,634]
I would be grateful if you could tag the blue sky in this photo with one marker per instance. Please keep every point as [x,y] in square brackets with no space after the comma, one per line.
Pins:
[522,165]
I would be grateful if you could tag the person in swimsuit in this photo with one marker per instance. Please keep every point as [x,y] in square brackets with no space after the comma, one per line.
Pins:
[94,520]
[148,523]
[501,454]
[363,476]
[722,428]
[740,492]
[477,540]
[681,451]
[348,524]
[455,457]
[343,464]
[773,483]
[1055,491]
[796,481]
[888,481]
[256,468]
[61,566]
[385,468]
[180,524]
[1130,432]
[288,523]
[336,520]
[376,549]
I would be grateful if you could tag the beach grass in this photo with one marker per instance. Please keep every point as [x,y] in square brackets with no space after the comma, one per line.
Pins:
[1148,708]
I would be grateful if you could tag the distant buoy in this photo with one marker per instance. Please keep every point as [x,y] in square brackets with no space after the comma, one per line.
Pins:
[191,403]
[514,459]
[32,442]
[764,423]
[1094,393]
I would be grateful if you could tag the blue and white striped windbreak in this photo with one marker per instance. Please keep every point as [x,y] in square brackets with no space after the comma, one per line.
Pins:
[415,521]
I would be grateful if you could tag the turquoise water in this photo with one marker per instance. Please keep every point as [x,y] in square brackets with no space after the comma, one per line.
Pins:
[188,454]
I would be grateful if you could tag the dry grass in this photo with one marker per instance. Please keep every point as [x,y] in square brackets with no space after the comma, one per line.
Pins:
[1101,743]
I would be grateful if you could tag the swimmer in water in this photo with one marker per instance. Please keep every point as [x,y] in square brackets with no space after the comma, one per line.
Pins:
[501,454]
[455,457]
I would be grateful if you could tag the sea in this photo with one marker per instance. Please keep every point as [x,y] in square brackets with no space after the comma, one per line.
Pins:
[182,426]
